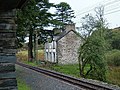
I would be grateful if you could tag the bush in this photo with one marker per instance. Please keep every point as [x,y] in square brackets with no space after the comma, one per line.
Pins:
[113,58]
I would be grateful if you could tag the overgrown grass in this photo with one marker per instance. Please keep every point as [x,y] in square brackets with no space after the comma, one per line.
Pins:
[71,69]
[23,55]
[113,57]
[22,85]
[114,75]
[30,63]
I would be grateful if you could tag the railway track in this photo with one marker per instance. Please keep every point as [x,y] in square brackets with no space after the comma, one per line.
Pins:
[71,80]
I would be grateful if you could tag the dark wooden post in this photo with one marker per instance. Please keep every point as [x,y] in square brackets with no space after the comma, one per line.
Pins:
[7,50]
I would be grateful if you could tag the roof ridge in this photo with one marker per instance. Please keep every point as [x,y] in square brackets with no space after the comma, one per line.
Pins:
[66,34]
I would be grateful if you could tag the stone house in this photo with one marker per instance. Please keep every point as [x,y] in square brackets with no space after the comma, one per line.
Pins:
[64,47]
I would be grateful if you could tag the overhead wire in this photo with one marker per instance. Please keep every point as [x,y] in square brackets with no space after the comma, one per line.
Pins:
[107,4]
[110,11]
[89,7]
[107,13]
[113,8]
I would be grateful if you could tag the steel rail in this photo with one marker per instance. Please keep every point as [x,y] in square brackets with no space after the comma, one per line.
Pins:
[74,81]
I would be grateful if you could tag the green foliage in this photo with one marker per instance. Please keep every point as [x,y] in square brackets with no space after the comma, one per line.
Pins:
[113,58]
[70,69]
[33,18]
[64,13]
[20,32]
[115,38]
[26,20]
[113,75]
[56,31]
[22,85]
[34,15]
[91,52]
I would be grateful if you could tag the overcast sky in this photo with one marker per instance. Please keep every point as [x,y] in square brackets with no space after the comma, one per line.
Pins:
[82,7]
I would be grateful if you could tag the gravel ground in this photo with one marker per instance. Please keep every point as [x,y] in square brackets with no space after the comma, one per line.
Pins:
[38,81]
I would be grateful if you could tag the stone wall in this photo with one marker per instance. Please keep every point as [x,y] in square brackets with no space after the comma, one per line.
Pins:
[7,51]
[68,48]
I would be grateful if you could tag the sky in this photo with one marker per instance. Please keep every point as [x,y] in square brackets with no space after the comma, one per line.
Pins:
[83,7]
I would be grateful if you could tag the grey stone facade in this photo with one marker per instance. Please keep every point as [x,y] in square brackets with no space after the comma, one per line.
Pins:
[7,43]
[66,46]
[7,51]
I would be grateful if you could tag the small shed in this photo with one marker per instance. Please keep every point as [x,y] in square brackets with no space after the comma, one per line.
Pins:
[64,47]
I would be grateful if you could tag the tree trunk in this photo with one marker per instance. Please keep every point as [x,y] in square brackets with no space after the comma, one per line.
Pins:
[80,66]
[30,47]
[35,47]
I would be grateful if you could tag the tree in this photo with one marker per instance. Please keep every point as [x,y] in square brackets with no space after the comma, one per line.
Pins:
[34,15]
[88,25]
[91,52]
[29,14]
[115,38]
[64,13]
[21,32]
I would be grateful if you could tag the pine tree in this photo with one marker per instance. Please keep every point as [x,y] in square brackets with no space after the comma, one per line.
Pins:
[64,13]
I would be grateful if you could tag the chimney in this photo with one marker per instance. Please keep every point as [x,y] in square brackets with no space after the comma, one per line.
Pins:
[69,27]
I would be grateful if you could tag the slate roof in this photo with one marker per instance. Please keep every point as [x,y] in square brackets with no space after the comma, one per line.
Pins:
[64,33]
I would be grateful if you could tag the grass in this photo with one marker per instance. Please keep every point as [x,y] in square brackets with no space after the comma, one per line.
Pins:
[113,57]
[23,55]
[22,85]
[30,63]
[71,69]
[114,75]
